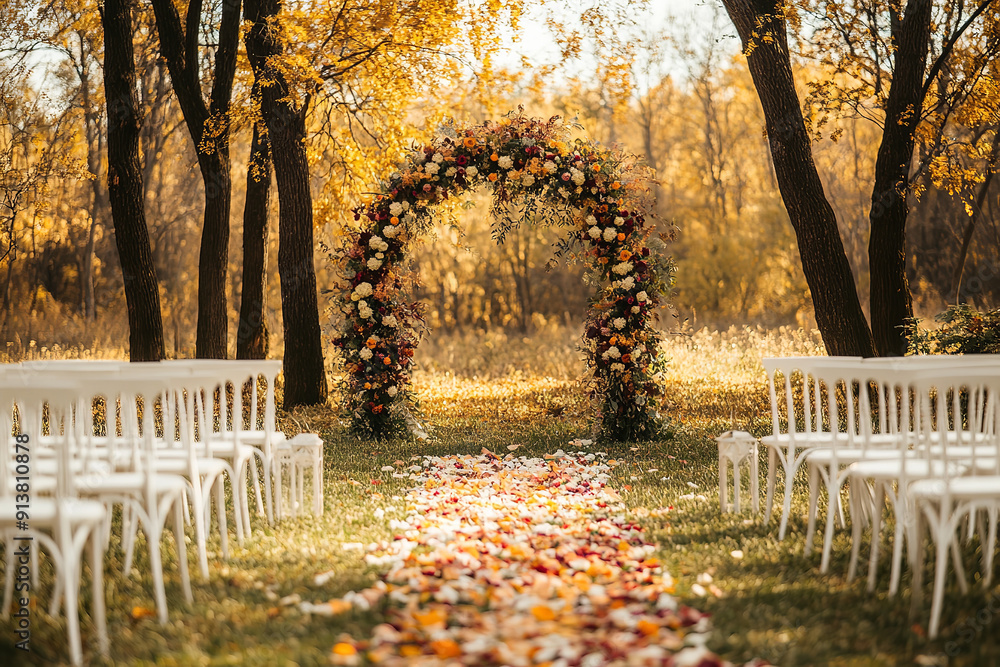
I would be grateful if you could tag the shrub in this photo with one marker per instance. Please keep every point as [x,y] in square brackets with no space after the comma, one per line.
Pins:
[962,331]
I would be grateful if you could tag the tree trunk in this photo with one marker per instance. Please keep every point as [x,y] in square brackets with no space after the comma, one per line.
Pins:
[305,376]
[142,296]
[827,270]
[891,305]
[180,50]
[252,335]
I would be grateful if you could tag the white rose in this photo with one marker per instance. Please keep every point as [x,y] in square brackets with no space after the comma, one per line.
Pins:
[365,313]
[406,205]
[622,268]
[635,309]
[619,221]
[618,368]
[438,157]
[594,232]
[641,296]
[471,172]
[614,352]
[577,176]
[591,220]
[365,353]
[390,321]
[392,391]
[528,180]
[380,255]
[550,166]
[389,232]
[363,290]
[450,171]
[383,246]
[375,242]
[395,208]
[374,263]
[628,283]
[431,168]
[618,323]
[505,162]
[610,234]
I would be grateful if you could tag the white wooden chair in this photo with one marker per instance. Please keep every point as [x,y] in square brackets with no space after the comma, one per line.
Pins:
[63,523]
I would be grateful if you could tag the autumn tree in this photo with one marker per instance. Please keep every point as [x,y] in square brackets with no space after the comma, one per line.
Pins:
[208,124]
[887,64]
[125,190]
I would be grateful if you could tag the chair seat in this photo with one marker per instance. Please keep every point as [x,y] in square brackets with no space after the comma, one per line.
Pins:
[179,466]
[132,482]
[43,511]
[802,440]
[845,456]
[962,488]
[894,468]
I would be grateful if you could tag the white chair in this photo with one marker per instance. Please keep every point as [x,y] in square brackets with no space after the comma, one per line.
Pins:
[891,477]
[62,523]
[301,453]
[790,445]
[959,407]
[847,409]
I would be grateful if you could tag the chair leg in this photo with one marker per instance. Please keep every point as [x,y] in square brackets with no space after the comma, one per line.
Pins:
[877,513]
[182,562]
[786,507]
[754,479]
[71,582]
[318,486]
[956,554]
[771,475]
[832,500]
[220,510]
[857,527]
[723,483]
[813,502]
[267,466]
[940,578]
[97,579]
[989,546]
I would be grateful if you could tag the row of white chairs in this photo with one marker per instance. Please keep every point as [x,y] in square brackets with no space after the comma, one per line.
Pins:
[170,436]
[916,434]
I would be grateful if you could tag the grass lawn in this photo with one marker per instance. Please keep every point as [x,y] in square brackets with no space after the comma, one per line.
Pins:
[771,603]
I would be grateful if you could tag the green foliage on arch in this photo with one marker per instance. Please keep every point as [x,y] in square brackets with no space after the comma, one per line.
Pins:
[522,160]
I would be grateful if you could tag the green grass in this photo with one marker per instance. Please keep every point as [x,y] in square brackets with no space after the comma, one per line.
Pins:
[775,604]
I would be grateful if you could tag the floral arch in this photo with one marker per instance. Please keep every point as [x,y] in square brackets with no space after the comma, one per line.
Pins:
[518,157]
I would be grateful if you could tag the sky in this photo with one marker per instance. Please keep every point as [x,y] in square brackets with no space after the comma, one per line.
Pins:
[536,43]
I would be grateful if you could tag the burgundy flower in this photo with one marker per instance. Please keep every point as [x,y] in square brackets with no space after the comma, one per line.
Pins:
[461,160]
[645,252]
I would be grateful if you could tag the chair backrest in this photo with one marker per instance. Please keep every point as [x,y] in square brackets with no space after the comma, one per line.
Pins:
[957,423]
[798,407]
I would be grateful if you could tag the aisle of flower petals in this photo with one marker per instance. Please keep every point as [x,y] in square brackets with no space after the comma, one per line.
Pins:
[520,561]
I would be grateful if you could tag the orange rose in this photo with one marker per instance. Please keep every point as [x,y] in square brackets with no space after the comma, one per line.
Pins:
[621,237]
[494,157]
[386,361]
[602,260]
[371,343]
[492,177]
[394,220]
[368,385]
[615,185]
[624,256]
[470,142]
[597,167]
[377,409]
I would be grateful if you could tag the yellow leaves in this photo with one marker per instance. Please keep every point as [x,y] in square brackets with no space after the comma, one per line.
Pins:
[543,613]
[431,618]
[446,648]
